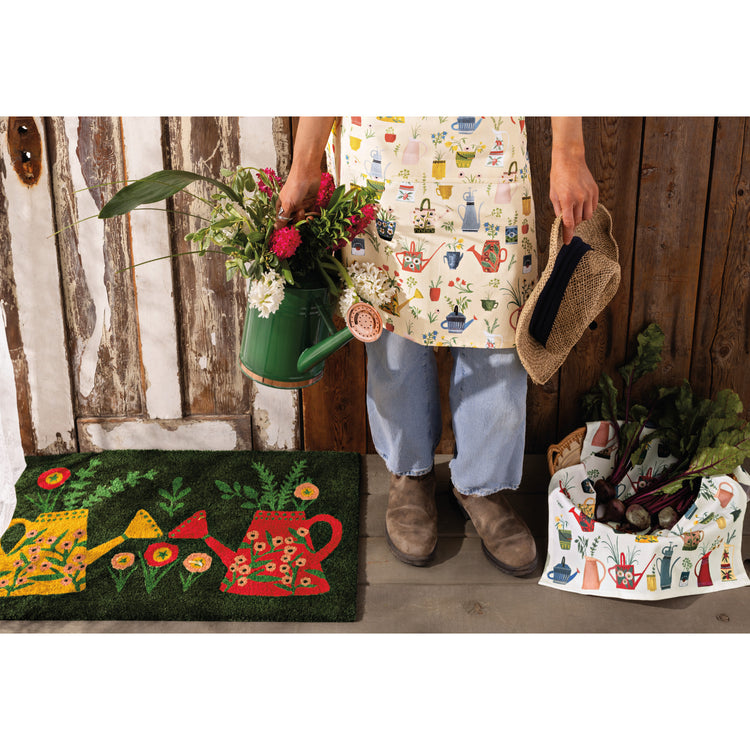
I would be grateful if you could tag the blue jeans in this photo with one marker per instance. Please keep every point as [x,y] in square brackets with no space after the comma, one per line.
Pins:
[488,404]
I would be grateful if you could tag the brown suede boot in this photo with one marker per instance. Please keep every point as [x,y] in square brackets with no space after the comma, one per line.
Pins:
[506,539]
[411,518]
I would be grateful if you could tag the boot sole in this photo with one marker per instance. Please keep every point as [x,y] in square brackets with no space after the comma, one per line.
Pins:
[418,562]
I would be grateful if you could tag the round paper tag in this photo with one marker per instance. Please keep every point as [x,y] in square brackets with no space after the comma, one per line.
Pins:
[364,322]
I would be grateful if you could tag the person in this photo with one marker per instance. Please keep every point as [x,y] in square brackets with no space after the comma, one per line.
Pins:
[447,184]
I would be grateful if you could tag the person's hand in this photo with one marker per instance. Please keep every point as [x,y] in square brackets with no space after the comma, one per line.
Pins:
[572,190]
[297,196]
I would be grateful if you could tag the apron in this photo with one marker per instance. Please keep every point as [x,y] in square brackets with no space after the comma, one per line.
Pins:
[455,228]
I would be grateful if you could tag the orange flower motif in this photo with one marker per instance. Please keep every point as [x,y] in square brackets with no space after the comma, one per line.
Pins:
[305,582]
[306,491]
[286,580]
[259,546]
[244,570]
[289,540]
[271,567]
[242,581]
[277,540]
[299,562]
[239,559]
[290,550]
[284,568]
[302,531]
[252,535]
[198,562]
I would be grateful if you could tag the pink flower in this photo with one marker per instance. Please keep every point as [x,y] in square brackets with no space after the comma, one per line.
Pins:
[325,191]
[359,224]
[274,179]
[285,241]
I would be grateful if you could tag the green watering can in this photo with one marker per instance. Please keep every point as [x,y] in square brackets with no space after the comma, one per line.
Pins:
[288,348]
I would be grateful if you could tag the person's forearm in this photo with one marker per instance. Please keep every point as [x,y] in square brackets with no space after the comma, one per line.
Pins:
[310,142]
[567,136]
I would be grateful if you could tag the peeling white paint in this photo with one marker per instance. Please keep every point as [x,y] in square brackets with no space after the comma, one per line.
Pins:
[275,416]
[210,435]
[153,281]
[275,411]
[203,362]
[256,142]
[30,220]
[91,252]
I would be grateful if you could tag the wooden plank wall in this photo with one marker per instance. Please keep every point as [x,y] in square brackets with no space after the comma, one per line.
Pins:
[107,355]
[147,357]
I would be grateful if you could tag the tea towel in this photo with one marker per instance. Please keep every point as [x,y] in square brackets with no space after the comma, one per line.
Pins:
[12,461]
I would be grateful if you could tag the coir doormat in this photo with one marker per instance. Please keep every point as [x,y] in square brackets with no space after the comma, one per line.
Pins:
[183,535]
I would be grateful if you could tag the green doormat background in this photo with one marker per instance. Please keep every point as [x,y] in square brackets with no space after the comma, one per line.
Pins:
[184,535]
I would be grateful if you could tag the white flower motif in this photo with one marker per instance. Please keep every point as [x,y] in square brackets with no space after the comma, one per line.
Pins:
[346,299]
[266,294]
[371,284]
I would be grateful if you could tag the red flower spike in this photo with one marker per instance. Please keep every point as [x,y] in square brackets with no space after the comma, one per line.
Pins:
[285,241]
[325,191]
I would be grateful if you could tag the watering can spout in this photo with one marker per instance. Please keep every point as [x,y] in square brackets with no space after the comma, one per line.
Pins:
[362,322]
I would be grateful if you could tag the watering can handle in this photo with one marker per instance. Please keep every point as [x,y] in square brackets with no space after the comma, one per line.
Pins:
[604,569]
[20,541]
[336,530]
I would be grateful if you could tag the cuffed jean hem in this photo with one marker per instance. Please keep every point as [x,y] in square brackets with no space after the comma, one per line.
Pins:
[414,473]
[487,493]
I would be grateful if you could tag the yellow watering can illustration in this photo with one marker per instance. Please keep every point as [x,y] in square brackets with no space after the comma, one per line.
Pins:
[52,556]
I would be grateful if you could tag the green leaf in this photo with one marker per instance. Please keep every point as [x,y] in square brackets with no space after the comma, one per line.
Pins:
[154,188]
[648,356]
[335,196]
[223,486]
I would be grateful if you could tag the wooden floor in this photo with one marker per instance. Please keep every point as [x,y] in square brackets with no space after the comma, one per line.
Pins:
[461,592]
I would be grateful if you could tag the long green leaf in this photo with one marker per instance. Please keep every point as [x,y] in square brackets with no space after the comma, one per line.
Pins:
[154,188]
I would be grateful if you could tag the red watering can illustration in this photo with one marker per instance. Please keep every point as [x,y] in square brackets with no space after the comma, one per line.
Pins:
[585,521]
[413,260]
[491,257]
[702,571]
[626,577]
[276,556]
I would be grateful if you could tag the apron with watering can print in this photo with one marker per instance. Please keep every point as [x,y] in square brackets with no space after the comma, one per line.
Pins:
[455,228]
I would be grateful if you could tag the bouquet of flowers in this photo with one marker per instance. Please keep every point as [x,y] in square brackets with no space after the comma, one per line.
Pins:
[241,225]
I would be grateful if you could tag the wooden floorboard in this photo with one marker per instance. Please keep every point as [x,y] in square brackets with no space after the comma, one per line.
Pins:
[461,592]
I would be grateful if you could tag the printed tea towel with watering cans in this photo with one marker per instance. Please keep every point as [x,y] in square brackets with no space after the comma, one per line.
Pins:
[701,553]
